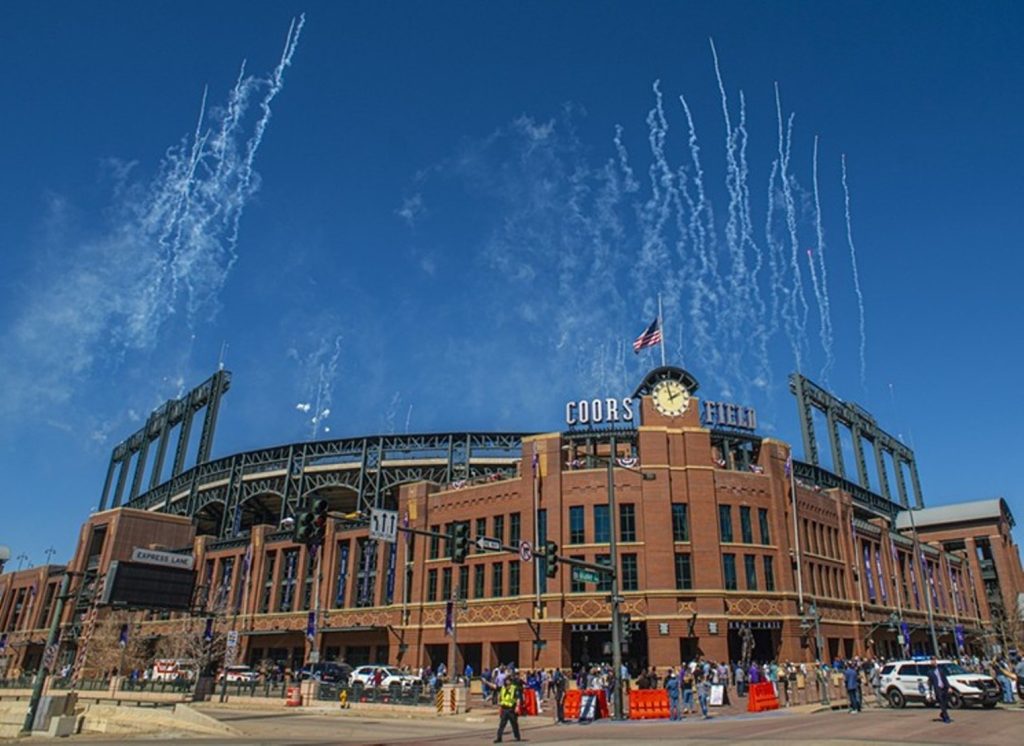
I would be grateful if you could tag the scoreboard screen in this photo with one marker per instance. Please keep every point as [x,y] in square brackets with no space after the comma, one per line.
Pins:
[137,585]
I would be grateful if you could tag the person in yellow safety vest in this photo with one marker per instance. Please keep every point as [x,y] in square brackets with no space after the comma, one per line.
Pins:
[508,699]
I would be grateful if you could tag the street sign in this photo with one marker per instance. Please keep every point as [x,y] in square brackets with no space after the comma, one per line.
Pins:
[526,551]
[487,544]
[384,524]
[585,575]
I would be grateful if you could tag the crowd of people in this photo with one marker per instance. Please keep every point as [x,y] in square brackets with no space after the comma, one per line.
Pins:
[691,686]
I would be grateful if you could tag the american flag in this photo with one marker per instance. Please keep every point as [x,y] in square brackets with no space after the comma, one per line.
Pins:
[650,337]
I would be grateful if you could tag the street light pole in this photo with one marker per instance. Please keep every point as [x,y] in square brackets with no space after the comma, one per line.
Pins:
[616,612]
[813,611]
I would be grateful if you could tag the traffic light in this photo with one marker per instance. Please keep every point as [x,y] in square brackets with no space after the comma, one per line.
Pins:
[626,620]
[551,558]
[320,508]
[304,528]
[459,541]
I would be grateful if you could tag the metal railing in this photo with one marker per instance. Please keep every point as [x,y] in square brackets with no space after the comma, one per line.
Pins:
[20,682]
[84,685]
[172,686]
[394,695]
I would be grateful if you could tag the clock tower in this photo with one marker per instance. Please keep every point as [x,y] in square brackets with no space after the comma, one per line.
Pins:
[667,398]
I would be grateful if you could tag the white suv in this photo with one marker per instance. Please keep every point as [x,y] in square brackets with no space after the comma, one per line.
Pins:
[907,681]
[364,675]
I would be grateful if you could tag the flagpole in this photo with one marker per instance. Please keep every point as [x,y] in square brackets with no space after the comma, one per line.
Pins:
[661,325]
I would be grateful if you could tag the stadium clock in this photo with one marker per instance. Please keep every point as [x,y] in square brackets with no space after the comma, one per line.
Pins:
[670,398]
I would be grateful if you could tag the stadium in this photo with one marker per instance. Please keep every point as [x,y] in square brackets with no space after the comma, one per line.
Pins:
[723,544]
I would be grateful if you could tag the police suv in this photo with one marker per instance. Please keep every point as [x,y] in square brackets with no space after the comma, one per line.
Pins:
[907,681]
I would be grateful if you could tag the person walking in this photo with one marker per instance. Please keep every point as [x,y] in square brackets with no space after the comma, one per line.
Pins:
[686,687]
[508,700]
[940,686]
[558,693]
[703,693]
[852,679]
[741,676]
[672,687]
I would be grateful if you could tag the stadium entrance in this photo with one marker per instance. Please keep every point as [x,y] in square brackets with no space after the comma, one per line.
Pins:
[754,640]
[591,645]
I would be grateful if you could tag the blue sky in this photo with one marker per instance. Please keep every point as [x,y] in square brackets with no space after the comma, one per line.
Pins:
[441,229]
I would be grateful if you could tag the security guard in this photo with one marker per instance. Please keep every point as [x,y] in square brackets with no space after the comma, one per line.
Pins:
[508,700]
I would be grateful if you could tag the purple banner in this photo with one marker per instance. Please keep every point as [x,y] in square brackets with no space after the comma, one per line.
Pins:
[958,632]
[931,581]
[867,573]
[449,617]
[905,630]
[881,576]
[339,591]
[953,589]
[389,595]
[913,585]
[311,625]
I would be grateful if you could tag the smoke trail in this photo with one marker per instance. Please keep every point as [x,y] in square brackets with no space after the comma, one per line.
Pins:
[856,280]
[755,309]
[824,311]
[165,256]
[320,371]
[796,308]
[707,290]
[737,301]
[194,207]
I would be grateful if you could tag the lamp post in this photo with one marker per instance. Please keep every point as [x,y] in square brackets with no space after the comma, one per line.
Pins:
[812,612]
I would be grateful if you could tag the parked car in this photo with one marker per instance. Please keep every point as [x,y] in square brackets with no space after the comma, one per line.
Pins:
[907,681]
[364,675]
[238,674]
[329,672]
[168,669]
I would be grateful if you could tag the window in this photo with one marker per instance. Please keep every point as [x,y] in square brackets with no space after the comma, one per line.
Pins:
[499,528]
[268,582]
[513,578]
[725,522]
[605,586]
[762,519]
[446,583]
[463,582]
[627,522]
[602,525]
[630,573]
[366,576]
[576,532]
[497,578]
[729,569]
[435,542]
[769,574]
[286,599]
[478,581]
[684,572]
[746,530]
[431,585]
[341,585]
[481,527]
[576,586]
[515,529]
[680,523]
[750,565]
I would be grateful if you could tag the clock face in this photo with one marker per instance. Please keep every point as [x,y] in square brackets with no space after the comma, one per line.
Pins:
[670,398]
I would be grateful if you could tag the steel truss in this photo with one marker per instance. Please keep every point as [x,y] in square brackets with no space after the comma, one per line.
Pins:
[369,467]
[166,417]
[863,427]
